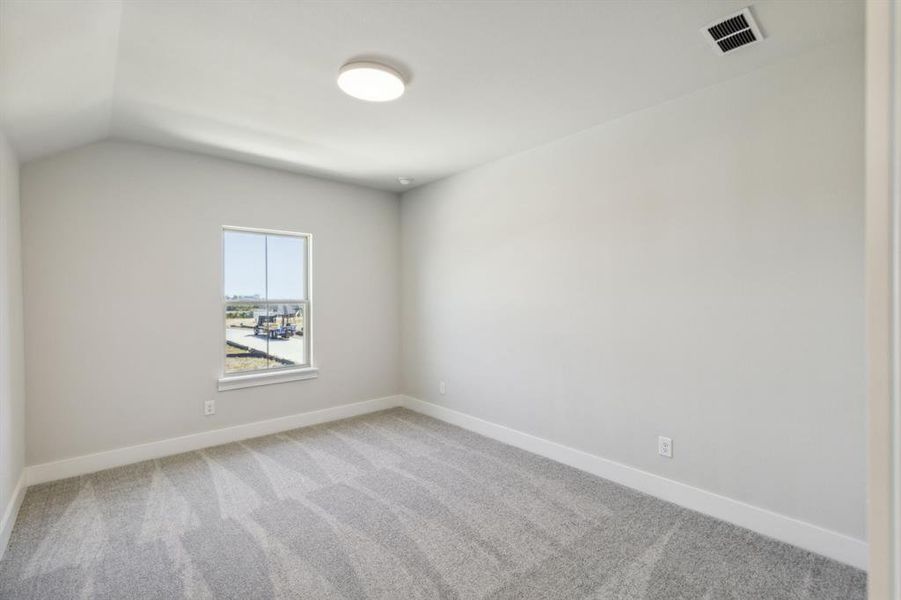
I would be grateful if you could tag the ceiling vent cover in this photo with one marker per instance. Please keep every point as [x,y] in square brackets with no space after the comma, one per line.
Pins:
[735,31]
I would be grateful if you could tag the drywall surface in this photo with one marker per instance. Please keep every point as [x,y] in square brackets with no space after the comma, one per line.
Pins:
[12,366]
[694,270]
[123,293]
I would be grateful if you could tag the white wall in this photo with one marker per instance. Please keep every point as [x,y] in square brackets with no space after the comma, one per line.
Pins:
[692,270]
[12,370]
[123,294]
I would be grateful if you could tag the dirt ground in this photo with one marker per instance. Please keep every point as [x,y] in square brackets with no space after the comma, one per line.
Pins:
[245,362]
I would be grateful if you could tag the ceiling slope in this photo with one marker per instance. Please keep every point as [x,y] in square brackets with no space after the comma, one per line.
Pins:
[57,72]
[255,81]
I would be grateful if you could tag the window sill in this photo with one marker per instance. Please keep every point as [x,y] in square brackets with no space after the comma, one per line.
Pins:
[236,382]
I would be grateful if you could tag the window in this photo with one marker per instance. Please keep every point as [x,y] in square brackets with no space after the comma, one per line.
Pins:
[266,307]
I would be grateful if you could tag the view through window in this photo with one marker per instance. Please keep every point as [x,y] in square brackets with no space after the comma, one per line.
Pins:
[266,300]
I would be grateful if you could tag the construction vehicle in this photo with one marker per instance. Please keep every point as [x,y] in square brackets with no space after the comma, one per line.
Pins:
[276,326]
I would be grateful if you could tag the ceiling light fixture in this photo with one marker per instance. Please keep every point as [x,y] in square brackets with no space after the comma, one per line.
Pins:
[405,180]
[371,81]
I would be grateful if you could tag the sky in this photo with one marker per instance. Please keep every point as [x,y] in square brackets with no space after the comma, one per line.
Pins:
[245,265]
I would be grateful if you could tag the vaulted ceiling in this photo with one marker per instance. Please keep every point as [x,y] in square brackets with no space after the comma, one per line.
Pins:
[255,81]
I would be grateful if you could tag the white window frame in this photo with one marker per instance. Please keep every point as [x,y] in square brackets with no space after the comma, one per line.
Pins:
[232,381]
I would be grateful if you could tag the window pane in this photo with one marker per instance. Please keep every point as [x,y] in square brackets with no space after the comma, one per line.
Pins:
[246,338]
[286,259]
[262,334]
[286,342]
[245,265]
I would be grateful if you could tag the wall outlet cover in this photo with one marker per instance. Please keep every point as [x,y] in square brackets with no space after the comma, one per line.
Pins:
[665,446]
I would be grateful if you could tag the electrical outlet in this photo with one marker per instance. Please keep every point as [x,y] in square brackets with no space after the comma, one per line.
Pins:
[665,446]
[442,388]
[209,407]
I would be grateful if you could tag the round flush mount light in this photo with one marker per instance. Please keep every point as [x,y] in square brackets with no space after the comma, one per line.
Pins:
[405,180]
[371,81]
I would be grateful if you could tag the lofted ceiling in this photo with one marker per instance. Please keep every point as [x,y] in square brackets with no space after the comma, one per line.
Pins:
[255,81]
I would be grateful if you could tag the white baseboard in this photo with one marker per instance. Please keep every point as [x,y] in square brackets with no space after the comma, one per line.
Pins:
[799,533]
[90,463]
[786,529]
[11,512]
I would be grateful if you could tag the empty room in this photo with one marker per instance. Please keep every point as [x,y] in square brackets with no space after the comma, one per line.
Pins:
[473,299]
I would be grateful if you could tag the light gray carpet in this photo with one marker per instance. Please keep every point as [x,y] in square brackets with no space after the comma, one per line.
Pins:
[390,505]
